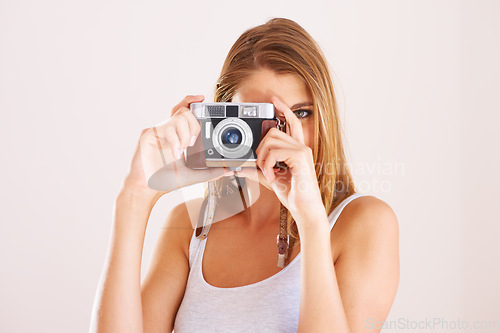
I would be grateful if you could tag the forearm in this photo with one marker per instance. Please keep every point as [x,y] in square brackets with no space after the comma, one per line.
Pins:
[321,308]
[118,305]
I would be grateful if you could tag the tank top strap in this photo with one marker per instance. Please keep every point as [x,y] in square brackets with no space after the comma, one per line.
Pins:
[334,215]
[194,248]
[194,245]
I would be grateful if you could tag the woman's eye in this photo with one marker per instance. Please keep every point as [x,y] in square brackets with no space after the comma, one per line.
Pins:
[302,113]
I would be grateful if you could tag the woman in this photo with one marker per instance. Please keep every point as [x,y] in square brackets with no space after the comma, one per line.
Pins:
[341,279]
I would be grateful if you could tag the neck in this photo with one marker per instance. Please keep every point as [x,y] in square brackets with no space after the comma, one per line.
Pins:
[265,206]
[262,206]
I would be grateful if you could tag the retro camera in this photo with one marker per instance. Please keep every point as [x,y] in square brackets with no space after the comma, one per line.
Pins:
[230,134]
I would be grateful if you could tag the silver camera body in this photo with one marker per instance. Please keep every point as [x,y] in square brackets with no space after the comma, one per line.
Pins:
[230,133]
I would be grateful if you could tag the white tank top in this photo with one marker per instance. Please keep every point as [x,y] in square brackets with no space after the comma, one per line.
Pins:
[269,305]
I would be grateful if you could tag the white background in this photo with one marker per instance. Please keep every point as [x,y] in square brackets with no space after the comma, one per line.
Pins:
[418,82]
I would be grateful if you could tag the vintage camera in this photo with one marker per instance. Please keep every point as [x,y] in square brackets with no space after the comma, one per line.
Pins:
[230,134]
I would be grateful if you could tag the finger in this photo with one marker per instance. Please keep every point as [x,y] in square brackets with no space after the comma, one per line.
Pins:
[170,135]
[277,134]
[268,145]
[183,132]
[263,179]
[193,123]
[187,132]
[186,102]
[182,110]
[194,127]
[292,121]
[276,155]
[255,174]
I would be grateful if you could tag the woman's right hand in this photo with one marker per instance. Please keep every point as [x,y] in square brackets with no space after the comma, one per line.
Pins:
[158,165]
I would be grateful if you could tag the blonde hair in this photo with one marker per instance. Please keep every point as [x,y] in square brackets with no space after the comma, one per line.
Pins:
[283,46]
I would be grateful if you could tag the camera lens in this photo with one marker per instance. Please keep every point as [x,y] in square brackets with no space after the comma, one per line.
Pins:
[231,137]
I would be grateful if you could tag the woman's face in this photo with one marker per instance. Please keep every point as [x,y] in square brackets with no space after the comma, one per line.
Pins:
[289,88]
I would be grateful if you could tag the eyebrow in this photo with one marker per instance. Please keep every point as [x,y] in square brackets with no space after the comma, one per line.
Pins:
[301,105]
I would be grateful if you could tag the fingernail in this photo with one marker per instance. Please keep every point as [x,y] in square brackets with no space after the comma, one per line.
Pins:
[193,140]
[264,172]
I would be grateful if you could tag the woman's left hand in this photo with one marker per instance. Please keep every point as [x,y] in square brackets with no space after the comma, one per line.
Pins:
[297,185]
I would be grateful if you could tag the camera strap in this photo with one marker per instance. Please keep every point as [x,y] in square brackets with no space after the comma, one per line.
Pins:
[207,212]
[206,216]
[285,246]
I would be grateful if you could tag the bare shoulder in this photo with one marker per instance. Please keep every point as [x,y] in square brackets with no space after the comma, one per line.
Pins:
[365,219]
[181,220]
[367,262]
[163,286]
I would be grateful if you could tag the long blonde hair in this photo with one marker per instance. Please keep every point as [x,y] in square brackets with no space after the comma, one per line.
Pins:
[283,46]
